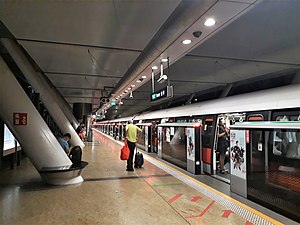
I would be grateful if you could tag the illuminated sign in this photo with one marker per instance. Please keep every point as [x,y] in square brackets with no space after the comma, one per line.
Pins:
[166,92]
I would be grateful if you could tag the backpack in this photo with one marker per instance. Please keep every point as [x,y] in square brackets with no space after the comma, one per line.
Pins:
[75,156]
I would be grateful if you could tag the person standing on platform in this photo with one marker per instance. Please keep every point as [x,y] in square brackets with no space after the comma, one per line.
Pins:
[222,145]
[131,136]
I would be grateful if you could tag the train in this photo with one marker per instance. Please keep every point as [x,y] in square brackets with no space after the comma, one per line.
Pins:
[262,159]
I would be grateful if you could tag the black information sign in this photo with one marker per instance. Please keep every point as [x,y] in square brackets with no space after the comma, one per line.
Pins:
[166,92]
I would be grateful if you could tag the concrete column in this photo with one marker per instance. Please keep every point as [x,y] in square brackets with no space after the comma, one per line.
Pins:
[37,140]
[40,84]
[64,105]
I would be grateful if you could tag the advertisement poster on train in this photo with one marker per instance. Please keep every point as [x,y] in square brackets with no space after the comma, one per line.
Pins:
[190,138]
[238,153]
[172,130]
[146,137]
[159,130]
[168,135]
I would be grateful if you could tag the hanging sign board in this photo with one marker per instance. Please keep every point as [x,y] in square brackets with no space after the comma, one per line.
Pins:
[166,92]
[20,118]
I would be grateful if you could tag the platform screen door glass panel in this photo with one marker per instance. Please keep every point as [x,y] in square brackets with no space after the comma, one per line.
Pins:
[174,146]
[274,171]
[141,138]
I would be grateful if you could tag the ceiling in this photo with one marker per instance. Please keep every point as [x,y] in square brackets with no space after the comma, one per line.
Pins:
[98,49]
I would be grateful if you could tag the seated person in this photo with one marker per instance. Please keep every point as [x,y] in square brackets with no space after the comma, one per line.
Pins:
[63,141]
[81,131]
[82,135]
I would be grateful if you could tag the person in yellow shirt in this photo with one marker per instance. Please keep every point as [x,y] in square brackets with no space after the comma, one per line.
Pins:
[131,136]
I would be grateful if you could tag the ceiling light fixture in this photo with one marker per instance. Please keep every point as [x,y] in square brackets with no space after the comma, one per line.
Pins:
[154,67]
[144,77]
[162,79]
[186,41]
[126,91]
[129,88]
[138,81]
[133,85]
[164,60]
[209,22]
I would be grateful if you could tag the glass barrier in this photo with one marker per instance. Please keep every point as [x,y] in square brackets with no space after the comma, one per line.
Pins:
[174,146]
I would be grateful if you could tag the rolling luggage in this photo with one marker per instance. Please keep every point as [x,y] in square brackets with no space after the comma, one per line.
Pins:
[138,160]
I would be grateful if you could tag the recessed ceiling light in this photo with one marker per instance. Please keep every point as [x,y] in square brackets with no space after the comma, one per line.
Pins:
[186,41]
[129,88]
[164,60]
[144,77]
[133,85]
[210,22]
[126,91]
[154,67]
[138,81]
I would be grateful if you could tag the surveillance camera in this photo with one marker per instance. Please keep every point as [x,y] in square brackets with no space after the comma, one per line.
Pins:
[197,34]
[162,79]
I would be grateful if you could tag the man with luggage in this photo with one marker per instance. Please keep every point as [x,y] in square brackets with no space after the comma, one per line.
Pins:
[131,136]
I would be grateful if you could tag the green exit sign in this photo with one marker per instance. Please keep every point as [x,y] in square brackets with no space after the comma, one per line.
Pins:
[153,97]
[164,93]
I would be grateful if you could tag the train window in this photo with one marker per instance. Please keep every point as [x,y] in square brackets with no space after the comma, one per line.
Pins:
[255,118]
[286,143]
[208,127]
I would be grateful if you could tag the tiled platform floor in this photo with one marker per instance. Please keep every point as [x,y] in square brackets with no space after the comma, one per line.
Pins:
[109,195]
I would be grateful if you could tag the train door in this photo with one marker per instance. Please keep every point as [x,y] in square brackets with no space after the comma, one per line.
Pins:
[207,140]
[220,154]
[221,146]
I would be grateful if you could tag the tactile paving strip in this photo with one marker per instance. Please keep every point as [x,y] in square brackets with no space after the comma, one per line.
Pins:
[239,210]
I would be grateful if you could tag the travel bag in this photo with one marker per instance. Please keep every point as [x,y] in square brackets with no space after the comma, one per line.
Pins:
[138,160]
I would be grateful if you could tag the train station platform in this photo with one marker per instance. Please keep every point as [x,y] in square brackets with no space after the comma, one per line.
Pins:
[155,194]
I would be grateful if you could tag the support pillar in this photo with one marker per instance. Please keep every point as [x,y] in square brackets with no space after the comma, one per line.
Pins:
[40,85]
[33,134]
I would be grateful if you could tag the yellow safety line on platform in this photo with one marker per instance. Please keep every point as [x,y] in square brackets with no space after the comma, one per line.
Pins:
[254,211]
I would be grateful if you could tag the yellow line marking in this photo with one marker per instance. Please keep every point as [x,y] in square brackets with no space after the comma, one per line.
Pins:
[254,211]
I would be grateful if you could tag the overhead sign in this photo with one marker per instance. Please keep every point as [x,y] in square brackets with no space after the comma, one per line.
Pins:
[20,118]
[166,92]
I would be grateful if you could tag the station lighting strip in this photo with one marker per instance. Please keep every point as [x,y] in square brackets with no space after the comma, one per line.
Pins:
[235,206]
